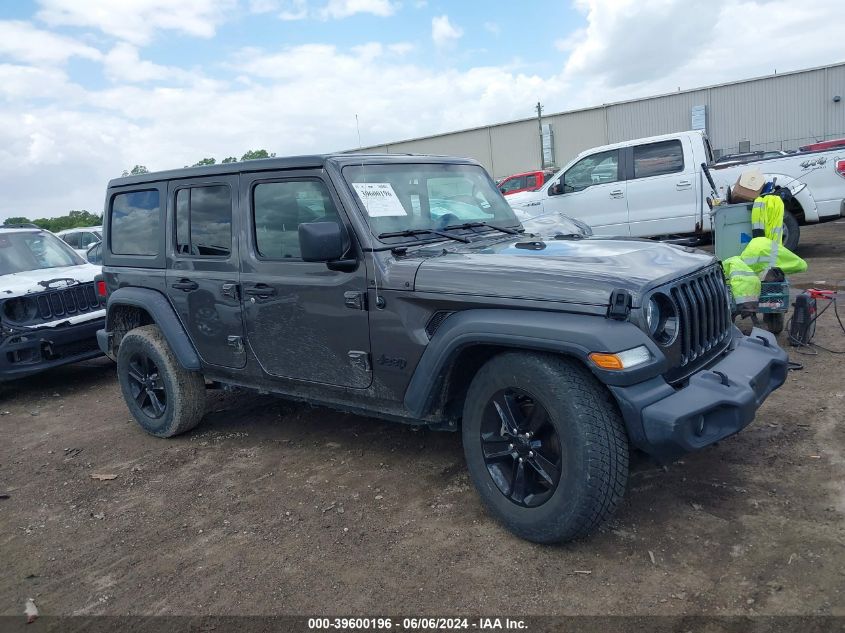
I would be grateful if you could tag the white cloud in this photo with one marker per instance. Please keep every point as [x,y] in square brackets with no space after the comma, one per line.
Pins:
[493,27]
[23,42]
[290,10]
[634,48]
[443,32]
[123,64]
[137,21]
[338,9]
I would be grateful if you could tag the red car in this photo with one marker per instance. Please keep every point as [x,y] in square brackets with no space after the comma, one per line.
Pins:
[527,181]
[823,145]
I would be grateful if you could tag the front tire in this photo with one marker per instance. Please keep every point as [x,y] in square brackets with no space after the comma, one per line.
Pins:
[791,231]
[164,398]
[545,446]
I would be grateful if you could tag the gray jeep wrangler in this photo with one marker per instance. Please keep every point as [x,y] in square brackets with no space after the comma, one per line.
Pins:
[404,287]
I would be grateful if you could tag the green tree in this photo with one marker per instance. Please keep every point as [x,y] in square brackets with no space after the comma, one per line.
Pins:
[253,154]
[204,161]
[73,220]
[229,159]
[136,170]
[17,220]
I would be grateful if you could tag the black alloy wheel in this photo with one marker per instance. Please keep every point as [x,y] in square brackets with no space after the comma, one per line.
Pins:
[146,385]
[521,448]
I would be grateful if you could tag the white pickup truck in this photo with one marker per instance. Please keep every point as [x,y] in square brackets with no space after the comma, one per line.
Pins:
[656,187]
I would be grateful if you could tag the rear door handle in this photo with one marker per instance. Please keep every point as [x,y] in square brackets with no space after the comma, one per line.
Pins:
[616,193]
[260,290]
[683,184]
[185,284]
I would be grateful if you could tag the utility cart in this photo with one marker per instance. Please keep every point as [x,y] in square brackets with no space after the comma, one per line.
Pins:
[731,234]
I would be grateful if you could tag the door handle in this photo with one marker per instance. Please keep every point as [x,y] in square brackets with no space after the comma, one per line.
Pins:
[616,193]
[185,284]
[683,184]
[260,290]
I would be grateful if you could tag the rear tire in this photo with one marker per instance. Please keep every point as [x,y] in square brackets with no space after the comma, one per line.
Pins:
[791,231]
[164,398]
[575,435]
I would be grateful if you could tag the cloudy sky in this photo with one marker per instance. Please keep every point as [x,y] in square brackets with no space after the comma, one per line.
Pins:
[90,88]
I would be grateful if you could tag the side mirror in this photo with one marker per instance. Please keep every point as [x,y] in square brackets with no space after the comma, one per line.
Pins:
[556,189]
[321,241]
[94,253]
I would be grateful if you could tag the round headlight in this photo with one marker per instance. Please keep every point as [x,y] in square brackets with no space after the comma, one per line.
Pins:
[662,319]
[20,309]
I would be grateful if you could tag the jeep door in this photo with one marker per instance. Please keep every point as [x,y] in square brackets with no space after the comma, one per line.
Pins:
[662,197]
[593,191]
[202,274]
[304,320]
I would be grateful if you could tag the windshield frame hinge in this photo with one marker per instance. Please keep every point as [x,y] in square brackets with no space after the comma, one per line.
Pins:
[620,305]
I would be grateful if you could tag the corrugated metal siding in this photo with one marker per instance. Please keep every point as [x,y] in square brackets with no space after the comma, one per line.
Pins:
[835,112]
[472,144]
[515,147]
[660,115]
[778,112]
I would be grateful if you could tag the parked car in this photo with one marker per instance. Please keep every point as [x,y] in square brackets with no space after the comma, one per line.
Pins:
[49,310]
[747,157]
[552,356]
[822,146]
[527,181]
[82,239]
[655,187]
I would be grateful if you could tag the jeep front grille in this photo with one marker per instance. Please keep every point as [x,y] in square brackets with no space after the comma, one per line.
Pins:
[68,302]
[704,313]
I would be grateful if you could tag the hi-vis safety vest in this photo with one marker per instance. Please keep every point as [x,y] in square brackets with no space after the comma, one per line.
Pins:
[743,281]
[767,221]
[763,253]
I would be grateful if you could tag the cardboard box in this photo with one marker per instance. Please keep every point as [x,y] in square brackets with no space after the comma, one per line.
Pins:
[748,186]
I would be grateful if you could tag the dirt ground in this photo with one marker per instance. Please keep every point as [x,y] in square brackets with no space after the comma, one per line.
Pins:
[275,508]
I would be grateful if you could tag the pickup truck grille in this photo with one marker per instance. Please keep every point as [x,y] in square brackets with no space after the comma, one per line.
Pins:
[68,302]
[705,320]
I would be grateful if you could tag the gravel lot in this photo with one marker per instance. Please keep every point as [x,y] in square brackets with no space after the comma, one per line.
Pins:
[275,508]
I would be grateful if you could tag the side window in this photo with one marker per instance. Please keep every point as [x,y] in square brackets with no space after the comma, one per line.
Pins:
[134,225]
[87,239]
[656,159]
[280,207]
[513,184]
[595,169]
[204,221]
[71,239]
[531,182]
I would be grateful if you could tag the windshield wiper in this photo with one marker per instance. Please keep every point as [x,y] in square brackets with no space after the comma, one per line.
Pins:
[472,225]
[412,232]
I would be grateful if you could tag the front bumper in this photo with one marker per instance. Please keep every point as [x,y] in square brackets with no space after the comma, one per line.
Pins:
[29,351]
[666,422]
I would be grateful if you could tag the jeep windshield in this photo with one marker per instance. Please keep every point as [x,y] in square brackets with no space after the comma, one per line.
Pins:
[21,251]
[404,201]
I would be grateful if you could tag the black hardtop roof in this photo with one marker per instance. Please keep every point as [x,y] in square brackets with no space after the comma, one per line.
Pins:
[315,161]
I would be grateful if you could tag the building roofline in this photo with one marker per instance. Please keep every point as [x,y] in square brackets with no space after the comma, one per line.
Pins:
[607,105]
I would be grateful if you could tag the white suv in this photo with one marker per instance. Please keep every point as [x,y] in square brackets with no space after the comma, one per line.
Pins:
[50,309]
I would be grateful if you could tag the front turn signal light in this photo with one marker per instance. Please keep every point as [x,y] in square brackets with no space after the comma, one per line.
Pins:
[621,360]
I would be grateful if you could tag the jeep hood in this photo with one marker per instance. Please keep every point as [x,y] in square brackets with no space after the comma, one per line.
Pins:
[30,281]
[581,271]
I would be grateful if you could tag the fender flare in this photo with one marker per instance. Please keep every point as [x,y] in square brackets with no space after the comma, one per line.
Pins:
[159,308]
[575,335]
[804,198]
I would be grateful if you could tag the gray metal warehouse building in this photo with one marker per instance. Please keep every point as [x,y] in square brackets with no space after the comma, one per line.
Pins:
[781,111]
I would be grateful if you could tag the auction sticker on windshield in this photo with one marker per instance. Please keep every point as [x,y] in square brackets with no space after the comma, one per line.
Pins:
[379,198]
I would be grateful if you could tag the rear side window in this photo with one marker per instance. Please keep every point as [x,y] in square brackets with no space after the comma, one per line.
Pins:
[531,182]
[513,184]
[656,159]
[204,221]
[71,239]
[135,218]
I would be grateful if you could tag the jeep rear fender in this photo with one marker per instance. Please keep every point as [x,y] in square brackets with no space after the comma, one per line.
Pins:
[164,316]
[575,335]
